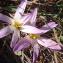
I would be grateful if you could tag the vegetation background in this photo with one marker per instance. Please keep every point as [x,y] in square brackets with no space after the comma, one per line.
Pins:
[48,10]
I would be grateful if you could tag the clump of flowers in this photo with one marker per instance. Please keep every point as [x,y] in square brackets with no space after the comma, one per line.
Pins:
[26,23]
[17,24]
[35,39]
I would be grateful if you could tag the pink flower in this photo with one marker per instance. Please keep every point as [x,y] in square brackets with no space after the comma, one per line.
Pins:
[34,37]
[17,24]
[20,23]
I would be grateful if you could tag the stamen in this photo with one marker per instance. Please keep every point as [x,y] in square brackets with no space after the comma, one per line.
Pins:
[16,24]
[34,36]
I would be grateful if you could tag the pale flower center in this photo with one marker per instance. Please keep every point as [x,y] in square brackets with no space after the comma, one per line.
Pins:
[34,36]
[16,24]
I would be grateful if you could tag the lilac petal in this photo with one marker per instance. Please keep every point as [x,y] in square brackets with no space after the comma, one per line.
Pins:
[20,10]
[5,18]
[49,43]
[26,18]
[48,27]
[34,57]
[33,17]
[30,18]
[30,29]
[36,49]
[22,44]
[5,31]
[35,52]
[15,38]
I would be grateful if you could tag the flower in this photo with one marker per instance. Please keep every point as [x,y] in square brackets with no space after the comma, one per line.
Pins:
[34,37]
[18,24]
[14,24]
[37,40]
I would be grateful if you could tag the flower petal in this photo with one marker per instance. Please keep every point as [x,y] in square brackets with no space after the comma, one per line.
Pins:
[30,29]
[5,31]
[15,38]
[20,10]
[26,18]
[30,18]
[36,49]
[48,27]
[33,17]
[5,18]
[34,57]
[49,43]
[22,44]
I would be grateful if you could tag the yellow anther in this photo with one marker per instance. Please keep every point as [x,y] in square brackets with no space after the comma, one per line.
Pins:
[34,36]
[16,24]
